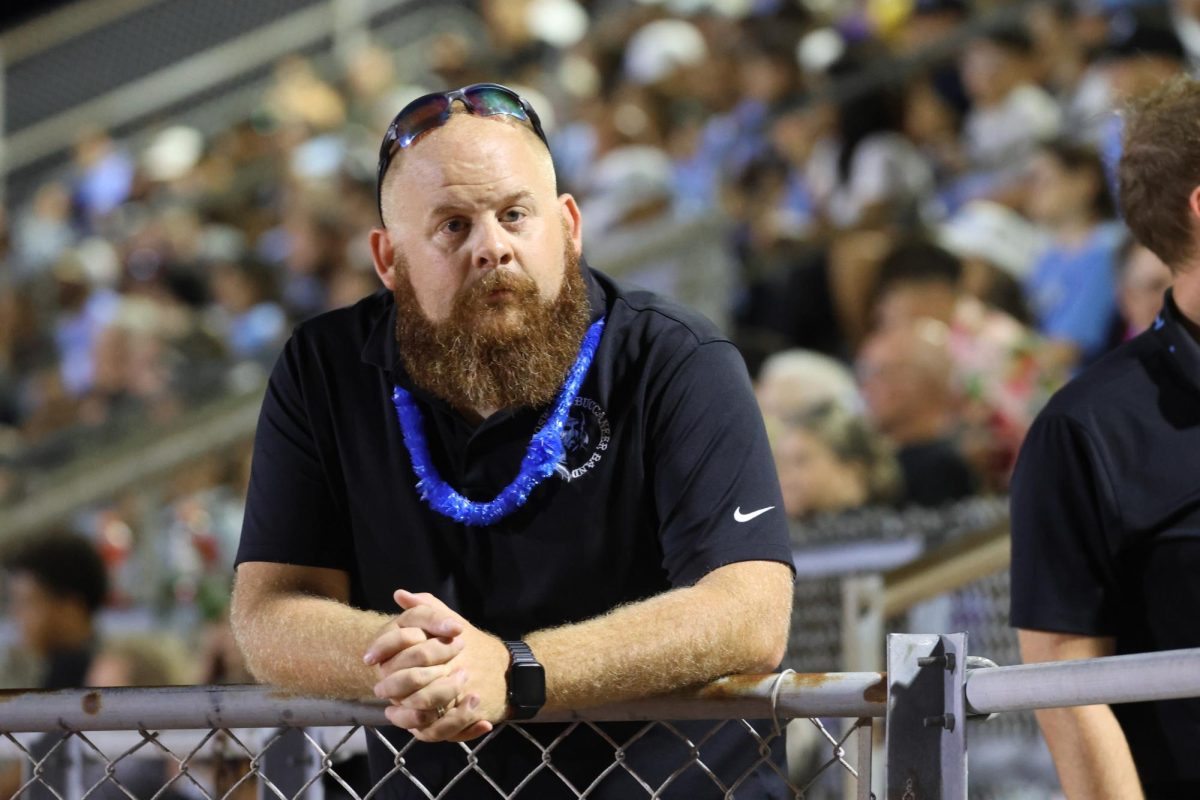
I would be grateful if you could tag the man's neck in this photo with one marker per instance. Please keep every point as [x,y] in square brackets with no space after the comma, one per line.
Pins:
[1186,292]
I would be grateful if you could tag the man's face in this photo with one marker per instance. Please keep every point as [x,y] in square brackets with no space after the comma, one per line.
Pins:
[892,383]
[470,198]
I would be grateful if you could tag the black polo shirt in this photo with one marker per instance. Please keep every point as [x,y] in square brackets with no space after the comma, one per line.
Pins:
[1106,527]
[665,445]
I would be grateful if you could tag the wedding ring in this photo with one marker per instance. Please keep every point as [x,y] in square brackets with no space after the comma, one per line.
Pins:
[441,711]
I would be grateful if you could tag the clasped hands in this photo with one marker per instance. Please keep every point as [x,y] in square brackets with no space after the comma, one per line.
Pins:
[445,678]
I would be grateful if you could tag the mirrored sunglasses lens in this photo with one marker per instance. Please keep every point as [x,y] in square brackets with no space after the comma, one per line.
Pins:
[488,102]
[421,118]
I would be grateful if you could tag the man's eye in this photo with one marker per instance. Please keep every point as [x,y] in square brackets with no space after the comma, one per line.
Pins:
[513,215]
[454,226]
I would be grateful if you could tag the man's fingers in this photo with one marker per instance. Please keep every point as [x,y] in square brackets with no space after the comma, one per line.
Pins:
[442,693]
[396,639]
[458,724]
[406,599]
[434,621]
[426,654]
[409,718]
[399,685]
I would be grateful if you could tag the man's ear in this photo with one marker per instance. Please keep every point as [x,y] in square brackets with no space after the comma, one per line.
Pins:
[383,256]
[1194,204]
[573,220]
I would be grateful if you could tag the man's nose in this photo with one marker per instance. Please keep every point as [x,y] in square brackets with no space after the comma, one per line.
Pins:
[492,246]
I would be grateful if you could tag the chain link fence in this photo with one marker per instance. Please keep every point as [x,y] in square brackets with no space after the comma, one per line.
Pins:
[175,743]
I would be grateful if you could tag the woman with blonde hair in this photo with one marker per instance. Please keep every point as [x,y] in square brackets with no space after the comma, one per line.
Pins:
[830,459]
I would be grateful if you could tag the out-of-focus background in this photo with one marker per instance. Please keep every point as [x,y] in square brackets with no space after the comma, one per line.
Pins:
[902,211]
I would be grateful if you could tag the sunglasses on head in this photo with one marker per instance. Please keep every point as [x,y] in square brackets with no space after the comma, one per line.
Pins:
[433,110]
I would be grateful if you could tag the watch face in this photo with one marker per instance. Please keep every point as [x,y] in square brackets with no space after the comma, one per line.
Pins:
[527,685]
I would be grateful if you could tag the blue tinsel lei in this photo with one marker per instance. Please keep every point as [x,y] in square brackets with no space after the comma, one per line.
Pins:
[545,451]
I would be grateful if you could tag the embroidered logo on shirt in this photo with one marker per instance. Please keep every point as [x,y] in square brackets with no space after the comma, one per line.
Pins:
[585,437]
[740,517]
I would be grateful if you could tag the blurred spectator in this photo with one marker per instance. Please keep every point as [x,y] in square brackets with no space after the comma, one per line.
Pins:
[997,248]
[868,173]
[1009,113]
[831,460]
[246,314]
[1071,287]
[44,232]
[104,176]
[1142,280]
[139,661]
[792,382]
[1140,52]
[905,373]
[998,375]
[56,584]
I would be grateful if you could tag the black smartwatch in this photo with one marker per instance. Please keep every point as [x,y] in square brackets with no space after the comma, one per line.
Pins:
[526,682]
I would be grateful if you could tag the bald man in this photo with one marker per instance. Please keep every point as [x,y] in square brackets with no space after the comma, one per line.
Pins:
[905,374]
[506,483]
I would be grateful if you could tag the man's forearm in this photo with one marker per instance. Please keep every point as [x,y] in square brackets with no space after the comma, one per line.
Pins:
[311,645]
[1090,753]
[730,624]
[1087,743]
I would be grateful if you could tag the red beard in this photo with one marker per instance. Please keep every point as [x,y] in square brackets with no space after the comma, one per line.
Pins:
[494,353]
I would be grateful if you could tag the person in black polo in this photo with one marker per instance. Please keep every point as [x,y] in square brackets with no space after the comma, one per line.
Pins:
[1106,495]
[508,483]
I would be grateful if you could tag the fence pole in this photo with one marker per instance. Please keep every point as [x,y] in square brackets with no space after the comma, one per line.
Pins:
[926,719]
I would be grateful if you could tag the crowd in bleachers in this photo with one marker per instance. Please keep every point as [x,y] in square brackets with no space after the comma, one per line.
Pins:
[925,237]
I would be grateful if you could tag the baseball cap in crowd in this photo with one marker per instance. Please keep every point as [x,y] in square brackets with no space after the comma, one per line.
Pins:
[994,233]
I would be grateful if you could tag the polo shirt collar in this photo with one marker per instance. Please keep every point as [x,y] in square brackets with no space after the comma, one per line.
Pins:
[381,350]
[1183,349]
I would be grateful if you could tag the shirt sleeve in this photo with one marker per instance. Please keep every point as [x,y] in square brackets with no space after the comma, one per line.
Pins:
[292,513]
[1062,567]
[714,482]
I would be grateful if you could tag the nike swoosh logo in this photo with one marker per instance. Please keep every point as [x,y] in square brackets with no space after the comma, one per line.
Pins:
[740,517]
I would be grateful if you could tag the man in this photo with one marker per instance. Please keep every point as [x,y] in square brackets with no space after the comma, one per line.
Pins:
[57,583]
[1105,503]
[640,548]
[906,376]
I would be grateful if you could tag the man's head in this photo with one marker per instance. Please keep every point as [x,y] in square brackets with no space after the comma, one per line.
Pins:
[905,374]
[482,255]
[1159,172]
[1066,184]
[917,279]
[56,584]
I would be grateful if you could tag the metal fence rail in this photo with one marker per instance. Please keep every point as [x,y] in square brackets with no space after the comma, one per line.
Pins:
[248,741]
[283,745]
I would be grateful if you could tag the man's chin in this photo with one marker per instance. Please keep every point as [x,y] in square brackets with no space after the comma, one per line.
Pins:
[504,318]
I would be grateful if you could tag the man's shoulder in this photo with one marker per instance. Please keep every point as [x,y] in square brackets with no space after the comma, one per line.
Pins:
[640,313]
[1116,383]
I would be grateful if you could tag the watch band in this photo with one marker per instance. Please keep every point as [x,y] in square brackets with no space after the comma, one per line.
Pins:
[526,681]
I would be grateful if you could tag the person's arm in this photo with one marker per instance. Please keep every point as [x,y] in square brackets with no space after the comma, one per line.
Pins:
[295,630]
[1089,748]
[733,620]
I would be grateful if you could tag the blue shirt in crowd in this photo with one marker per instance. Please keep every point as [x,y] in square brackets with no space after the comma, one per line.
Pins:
[1073,290]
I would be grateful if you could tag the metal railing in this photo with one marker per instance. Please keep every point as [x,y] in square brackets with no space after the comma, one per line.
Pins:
[292,746]
[246,739]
